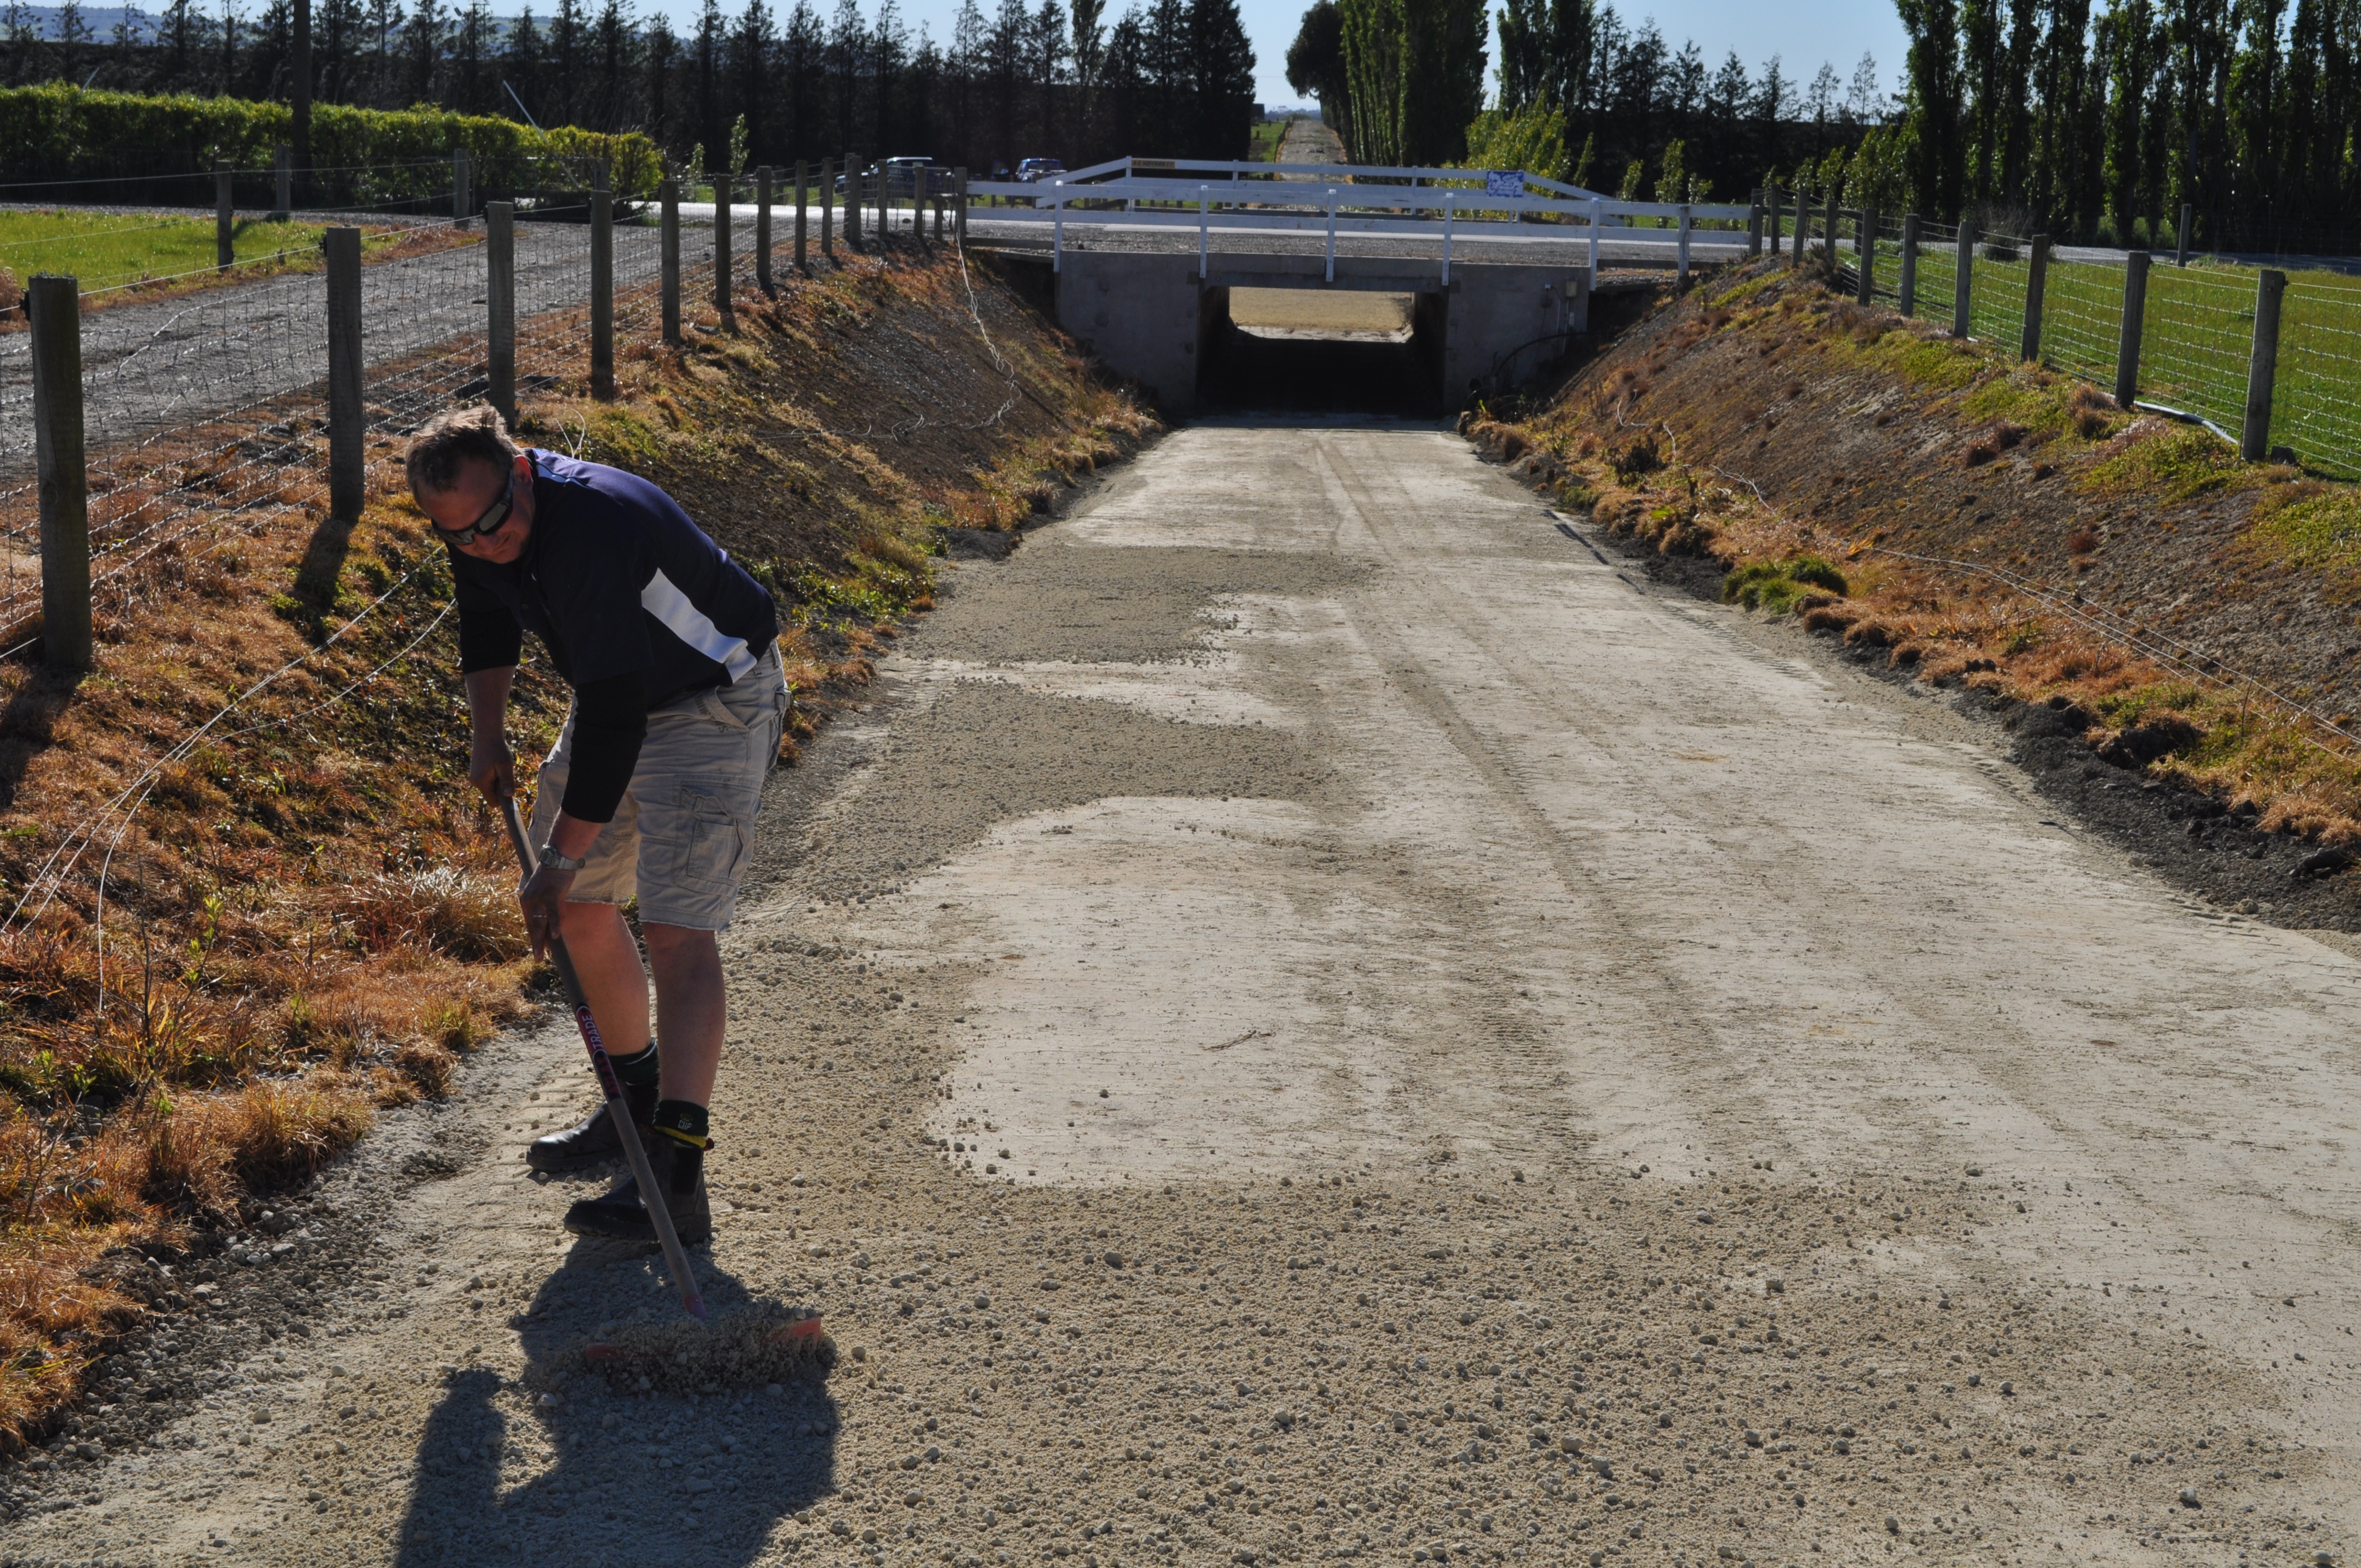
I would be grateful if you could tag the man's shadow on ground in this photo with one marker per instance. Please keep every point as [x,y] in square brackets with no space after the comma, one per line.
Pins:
[603,1477]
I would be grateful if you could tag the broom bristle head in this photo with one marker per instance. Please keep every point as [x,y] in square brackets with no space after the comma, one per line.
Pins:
[747,1347]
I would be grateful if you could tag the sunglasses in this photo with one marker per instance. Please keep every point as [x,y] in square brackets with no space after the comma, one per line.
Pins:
[494,518]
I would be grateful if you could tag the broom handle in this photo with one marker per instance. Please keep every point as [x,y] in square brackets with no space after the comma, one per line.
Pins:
[609,1085]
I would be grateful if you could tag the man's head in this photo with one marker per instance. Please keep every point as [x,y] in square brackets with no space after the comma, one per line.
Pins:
[470,479]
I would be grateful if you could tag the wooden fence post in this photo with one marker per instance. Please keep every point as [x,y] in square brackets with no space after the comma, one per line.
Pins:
[959,183]
[500,307]
[54,305]
[463,192]
[1754,224]
[224,220]
[2036,280]
[828,208]
[2263,364]
[282,172]
[669,256]
[1865,254]
[2128,345]
[1803,231]
[2181,234]
[1908,283]
[763,228]
[348,416]
[1962,285]
[1828,235]
[602,284]
[1682,244]
[722,247]
[852,203]
[803,186]
[1771,194]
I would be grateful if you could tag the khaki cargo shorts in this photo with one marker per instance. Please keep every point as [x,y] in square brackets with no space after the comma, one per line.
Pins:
[685,829]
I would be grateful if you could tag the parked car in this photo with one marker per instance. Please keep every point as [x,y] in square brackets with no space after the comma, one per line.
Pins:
[906,175]
[1033,169]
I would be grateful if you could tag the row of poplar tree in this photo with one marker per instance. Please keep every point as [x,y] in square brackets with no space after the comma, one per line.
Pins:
[1170,76]
[2108,121]
[1403,82]
[2091,121]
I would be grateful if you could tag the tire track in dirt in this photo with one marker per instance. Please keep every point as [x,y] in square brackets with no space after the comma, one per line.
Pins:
[1213,1130]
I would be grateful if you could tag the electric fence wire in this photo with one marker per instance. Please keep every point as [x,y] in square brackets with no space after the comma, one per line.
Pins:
[2108,625]
[49,879]
[2112,625]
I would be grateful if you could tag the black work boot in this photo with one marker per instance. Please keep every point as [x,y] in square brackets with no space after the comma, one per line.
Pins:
[596,1138]
[679,1170]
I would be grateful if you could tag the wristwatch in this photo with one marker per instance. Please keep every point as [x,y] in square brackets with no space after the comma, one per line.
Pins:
[552,858]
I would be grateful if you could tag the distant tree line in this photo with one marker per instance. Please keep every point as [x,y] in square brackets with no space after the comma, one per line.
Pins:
[1170,78]
[2042,116]
[2085,119]
[1401,82]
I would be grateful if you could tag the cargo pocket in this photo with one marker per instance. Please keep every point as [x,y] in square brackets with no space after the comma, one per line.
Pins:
[714,844]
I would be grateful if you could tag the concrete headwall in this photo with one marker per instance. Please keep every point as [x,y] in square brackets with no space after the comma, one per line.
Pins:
[1151,317]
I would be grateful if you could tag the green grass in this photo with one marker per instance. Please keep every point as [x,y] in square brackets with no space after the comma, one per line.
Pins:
[1776,585]
[2197,336]
[106,250]
[1264,139]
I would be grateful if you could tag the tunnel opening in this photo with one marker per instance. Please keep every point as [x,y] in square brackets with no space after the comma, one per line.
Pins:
[1319,349]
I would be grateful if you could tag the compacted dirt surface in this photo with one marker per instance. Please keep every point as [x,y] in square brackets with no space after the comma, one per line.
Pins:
[1323,1017]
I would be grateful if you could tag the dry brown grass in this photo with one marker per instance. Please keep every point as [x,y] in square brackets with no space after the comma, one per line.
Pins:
[305,915]
[1943,624]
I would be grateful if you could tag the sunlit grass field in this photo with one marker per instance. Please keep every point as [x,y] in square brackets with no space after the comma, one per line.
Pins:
[133,252]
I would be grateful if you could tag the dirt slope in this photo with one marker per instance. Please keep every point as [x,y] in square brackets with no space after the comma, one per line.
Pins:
[1859,436]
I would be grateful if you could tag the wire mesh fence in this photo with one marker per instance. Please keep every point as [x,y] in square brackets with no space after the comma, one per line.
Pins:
[2199,333]
[2197,328]
[2316,404]
[205,415]
[2082,318]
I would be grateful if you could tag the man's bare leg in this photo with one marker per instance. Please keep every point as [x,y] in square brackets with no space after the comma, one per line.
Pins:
[692,1009]
[607,961]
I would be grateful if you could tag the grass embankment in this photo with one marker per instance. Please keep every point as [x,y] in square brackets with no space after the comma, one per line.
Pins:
[1810,447]
[230,947]
[119,257]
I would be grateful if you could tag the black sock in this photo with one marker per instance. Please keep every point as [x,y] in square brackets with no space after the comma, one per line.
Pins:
[638,1069]
[684,1120]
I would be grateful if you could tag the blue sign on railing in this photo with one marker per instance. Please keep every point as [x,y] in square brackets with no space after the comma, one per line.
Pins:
[1504,183]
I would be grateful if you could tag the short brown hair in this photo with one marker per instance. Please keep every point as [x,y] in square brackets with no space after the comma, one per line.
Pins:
[454,438]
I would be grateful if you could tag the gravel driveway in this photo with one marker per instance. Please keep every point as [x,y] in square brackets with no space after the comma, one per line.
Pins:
[173,362]
[1324,1017]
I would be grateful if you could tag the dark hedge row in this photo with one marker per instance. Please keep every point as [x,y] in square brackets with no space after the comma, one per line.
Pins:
[55,134]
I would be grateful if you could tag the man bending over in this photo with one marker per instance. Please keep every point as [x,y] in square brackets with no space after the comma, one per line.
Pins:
[651,790]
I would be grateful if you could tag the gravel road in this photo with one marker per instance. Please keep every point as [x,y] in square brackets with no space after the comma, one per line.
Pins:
[1324,1016]
[153,366]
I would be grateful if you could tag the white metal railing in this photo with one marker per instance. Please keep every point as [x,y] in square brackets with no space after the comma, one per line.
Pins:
[1158,193]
